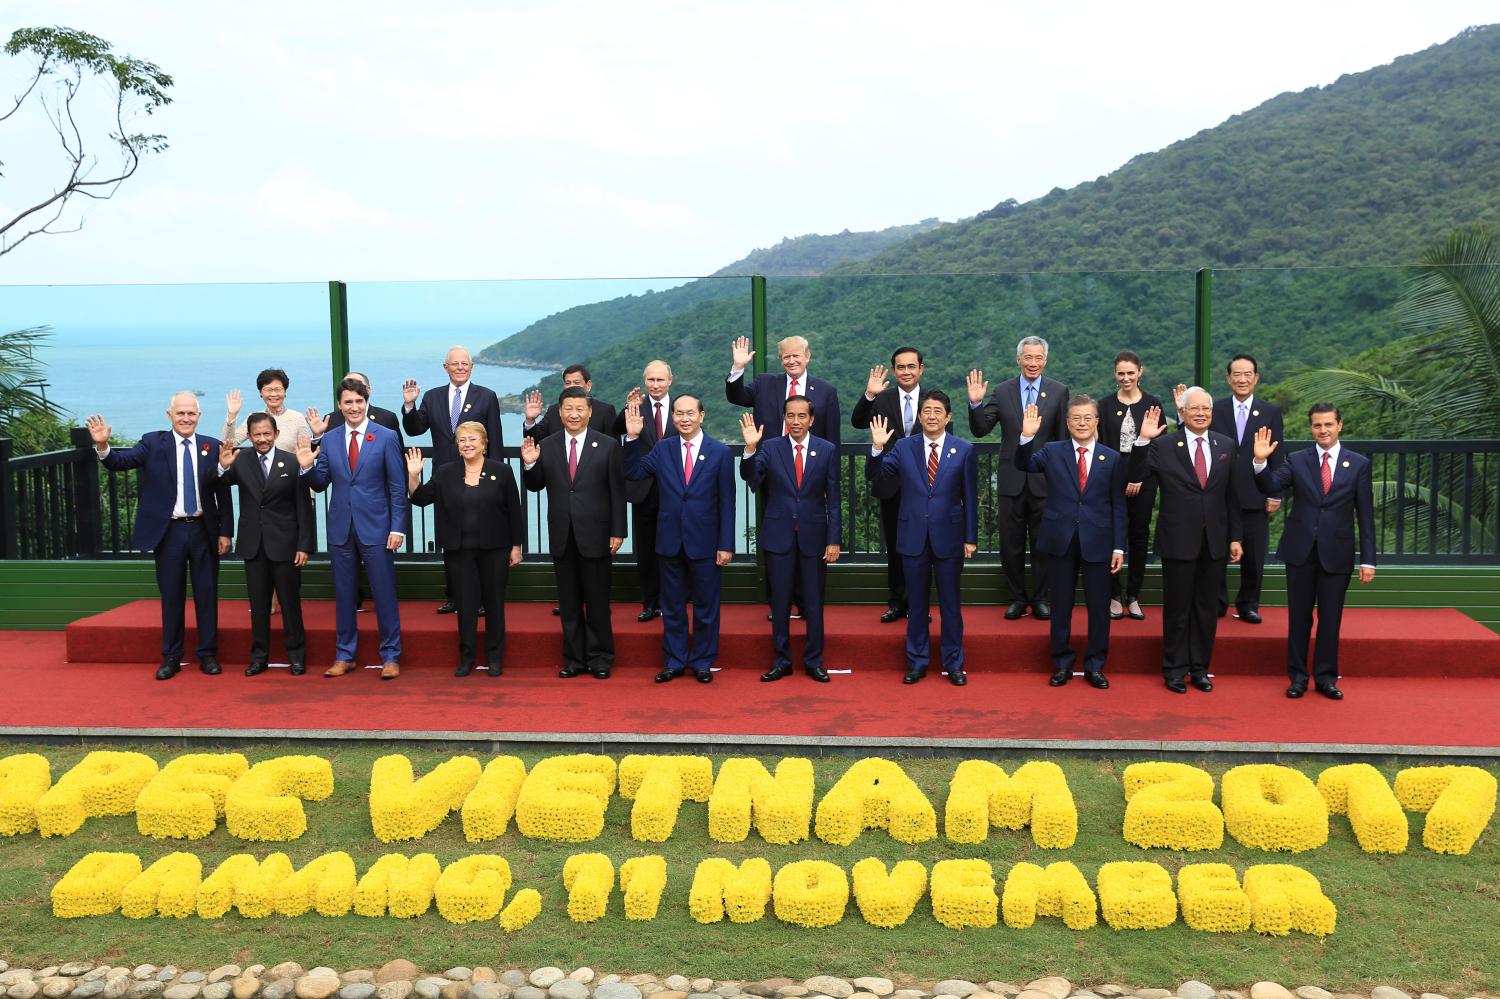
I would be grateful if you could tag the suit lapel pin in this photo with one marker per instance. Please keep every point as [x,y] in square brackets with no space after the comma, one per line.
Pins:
[369,437]
[812,454]
[281,464]
[1181,444]
[700,457]
[953,450]
[1044,395]
[1254,412]
[205,451]
[593,443]
[468,406]
[492,478]
[1346,464]
[1099,457]
[1119,412]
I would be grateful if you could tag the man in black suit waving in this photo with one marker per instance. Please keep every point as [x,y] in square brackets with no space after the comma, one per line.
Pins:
[656,425]
[1241,416]
[1020,495]
[277,530]
[1197,529]
[602,415]
[1331,494]
[581,470]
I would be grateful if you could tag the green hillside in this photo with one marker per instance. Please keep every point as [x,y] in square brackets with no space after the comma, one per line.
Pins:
[1305,205]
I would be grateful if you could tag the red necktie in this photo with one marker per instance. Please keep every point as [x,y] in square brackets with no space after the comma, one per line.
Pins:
[1083,468]
[791,390]
[1327,474]
[797,463]
[687,462]
[353,452]
[572,458]
[1200,465]
[932,463]
[659,429]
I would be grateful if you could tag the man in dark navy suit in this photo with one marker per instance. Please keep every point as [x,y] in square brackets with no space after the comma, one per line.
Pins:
[1083,530]
[277,531]
[1240,416]
[798,474]
[694,531]
[939,527]
[764,394]
[366,523]
[1331,496]
[656,425]
[185,518]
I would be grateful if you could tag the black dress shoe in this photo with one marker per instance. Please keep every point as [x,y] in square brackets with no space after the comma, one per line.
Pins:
[1203,683]
[1296,690]
[494,669]
[481,611]
[167,670]
[447,608]
[1041,610]
[775,673]
[892,614]
[1248,616]
[256,669]
[464,669]
[1096,680]
[647,613]
[599,672]
[297,669]
[958,679]
[568,672]
[209,666]
[913,675]
[1060,677]
[557,612]
[1017,609]
[1331,691]
[818,673]
[665,676]
[1137,614]
[1177,686]
[705,675]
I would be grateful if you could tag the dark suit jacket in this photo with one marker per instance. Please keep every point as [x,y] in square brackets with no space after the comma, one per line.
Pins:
[591,507]
[431,414]
[1096,515]
[888,405]
[1188,510]
[377,415]
[696,519]
[156,455]
[642,492]
[944,513]
[1325,523]
[501,523]
[370,503]
[1004,408]
[1112,414]
[1262,414]
[602,418]
[807,517]
[765,394]
[276,513]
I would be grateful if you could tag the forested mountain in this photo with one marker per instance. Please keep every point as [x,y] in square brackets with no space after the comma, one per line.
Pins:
[582,330]
[1306,206]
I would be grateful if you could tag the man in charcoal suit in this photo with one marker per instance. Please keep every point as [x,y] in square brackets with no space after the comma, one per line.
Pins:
[184,517]
[1241,416]
[798,474]
[277,531]
[1197,529]
[580,470]
[656,425]
[1020,495]
[1331,496]
[601,414]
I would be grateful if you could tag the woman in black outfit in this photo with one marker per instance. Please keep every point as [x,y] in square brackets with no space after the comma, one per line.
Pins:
[479,528]
[1120,417]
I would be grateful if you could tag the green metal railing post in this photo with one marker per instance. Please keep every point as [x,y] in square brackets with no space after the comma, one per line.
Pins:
[1203,286]
[338,331]
[8,536]
[758,324]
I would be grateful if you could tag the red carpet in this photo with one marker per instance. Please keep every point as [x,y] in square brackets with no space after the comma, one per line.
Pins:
[1391,643]
[1000,707]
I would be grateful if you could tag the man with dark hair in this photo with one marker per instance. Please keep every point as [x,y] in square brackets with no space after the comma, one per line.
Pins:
[277,531]
[938,477]
[366,523]
[601,414]
[694,531]
[1020,495]
[798,474]
[580,470]
[898,405]
[1241,416]
[378,415]
[1332,495]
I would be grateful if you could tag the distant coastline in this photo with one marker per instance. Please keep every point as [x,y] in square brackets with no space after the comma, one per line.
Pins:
[508,362]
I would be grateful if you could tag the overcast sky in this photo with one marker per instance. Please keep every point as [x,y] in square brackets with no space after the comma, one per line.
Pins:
[372,140]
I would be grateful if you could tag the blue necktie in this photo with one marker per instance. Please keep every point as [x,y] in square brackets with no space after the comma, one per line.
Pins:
[458,400]
[1030,395]
[906,418]
[189,487]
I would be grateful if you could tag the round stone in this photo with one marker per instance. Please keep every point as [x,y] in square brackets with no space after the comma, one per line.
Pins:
[56,986]
[393,990]
[515,979]
[483,975]
[89,988]
[182,992]
[394,971]
[1195,990]
[1033,994]
[458,974]
[426,988]
[1153,993]
[140,990]
[315,986]
[679,983]
[1425,995]
[144,972]
[75,969]
[568,989]
[959,987]
[357,990]
[617,990]
[1383,992]
[1271,990]
[217,990]
[192,978]
[484,990]
[287,969]
[245,987]
[875,986]
[529,992]
[27,989]
[830,986]
[48,972]
[545,978]
[703,985]
[115,988]
[1058,987]
[278,989]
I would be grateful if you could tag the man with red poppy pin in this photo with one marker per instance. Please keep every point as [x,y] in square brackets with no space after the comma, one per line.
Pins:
[366,522]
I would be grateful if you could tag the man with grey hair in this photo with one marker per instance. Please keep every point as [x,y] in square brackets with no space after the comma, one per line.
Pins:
[1197,529]
[656,415]
[184,517]
[1020,496]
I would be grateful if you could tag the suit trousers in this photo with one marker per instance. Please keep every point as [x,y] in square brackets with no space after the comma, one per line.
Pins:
[782,569]
[643,542]
[1096,592]
[1308,584]
[683,578]
[583,603]
[1189,615]
[920,571]
[189,548]
[476,578]
[1257,530]
[1020,522]
[380,570]
[895,571]
[1138,509]
[262,576]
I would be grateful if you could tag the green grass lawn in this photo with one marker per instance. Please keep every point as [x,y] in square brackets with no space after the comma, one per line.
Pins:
[1421,920]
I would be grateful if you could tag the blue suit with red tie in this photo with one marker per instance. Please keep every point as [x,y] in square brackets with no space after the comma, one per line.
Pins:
[369,504]
[801,519]
[938,517]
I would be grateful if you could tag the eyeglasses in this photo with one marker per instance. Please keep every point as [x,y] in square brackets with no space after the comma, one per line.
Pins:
[1197,409]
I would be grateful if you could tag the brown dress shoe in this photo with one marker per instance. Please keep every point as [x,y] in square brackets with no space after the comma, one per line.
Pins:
[389,671]
[340,667]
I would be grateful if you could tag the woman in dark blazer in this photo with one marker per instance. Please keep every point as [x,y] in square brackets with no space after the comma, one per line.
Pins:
[1120,417]
[479,528]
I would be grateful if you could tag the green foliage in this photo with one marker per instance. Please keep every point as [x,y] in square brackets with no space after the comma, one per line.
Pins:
[26,416]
